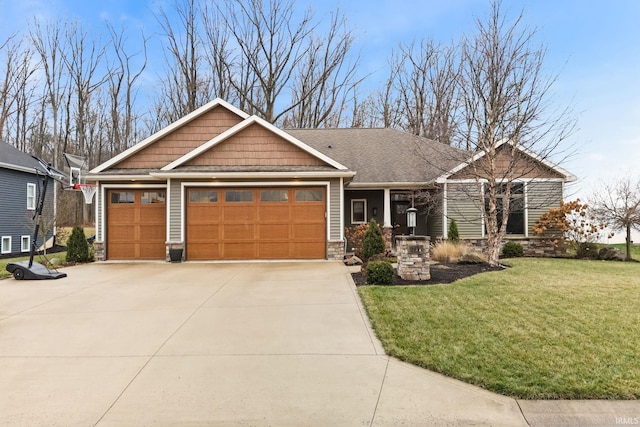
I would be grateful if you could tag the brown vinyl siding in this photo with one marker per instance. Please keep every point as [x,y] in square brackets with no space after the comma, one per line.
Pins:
[182,140]
[255,146]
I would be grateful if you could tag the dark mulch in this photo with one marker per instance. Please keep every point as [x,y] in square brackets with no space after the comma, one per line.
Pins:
[440,273]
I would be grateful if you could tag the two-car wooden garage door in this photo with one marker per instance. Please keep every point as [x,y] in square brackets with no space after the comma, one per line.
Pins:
[255,223]
[221,223]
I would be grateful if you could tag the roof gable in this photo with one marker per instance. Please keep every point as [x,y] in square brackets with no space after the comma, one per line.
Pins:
[254,142]
[178,138]
[528,165]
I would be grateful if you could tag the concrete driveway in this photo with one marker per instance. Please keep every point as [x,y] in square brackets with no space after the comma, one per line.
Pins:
[213,344]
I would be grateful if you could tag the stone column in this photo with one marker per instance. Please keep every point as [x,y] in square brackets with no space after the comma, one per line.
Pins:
[413,257]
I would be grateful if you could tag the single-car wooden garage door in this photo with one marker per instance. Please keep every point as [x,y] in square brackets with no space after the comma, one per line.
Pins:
[256,223]
[136,224]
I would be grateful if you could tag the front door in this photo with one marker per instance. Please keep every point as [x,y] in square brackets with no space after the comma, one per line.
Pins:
[399,217]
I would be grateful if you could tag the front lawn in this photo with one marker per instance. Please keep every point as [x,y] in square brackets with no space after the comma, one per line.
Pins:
[543,329]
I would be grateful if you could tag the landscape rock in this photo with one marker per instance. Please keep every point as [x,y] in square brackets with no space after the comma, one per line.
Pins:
[55,262]
[611,254]
[353,260]
[470,258]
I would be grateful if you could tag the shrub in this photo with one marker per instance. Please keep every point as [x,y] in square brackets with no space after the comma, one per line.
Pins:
[453,234]
[512,250]
[587,250]
[77,246]
[355,237]
[373,242]
[379,273]
[448,251]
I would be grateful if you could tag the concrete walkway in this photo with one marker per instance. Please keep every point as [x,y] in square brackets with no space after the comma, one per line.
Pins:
[227,344]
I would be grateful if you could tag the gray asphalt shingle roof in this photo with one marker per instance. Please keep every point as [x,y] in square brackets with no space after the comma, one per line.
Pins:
[383,155]
[12,158]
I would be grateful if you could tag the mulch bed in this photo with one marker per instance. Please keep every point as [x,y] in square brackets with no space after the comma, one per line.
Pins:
[440,273]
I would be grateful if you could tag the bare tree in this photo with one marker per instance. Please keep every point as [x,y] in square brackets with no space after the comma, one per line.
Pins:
[427,86]
[122,78]
[618,205]
[506,97]
[48,42]
[186,85]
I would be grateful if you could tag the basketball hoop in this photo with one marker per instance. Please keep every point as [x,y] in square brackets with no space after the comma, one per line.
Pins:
[88,190]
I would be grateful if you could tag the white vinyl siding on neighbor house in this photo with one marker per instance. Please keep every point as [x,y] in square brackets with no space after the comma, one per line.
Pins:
[358,211]
[25,243]
[31,196]
[6,245]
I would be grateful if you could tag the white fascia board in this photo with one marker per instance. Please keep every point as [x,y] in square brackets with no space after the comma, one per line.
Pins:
[391,185]
[251,175]
[165,131]
[243,125]
[100,178]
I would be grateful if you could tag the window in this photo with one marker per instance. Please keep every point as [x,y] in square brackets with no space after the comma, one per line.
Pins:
[203,196]
[358,211]
[25,243]
[31,197]
[311,195]
[6,244]
[122,197]
[274,195]
[515,223]
[238,196]
[153,197]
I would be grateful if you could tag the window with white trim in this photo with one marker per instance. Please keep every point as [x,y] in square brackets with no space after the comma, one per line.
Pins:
[358,211]
[31,196]
[516,221]
[25,243]
[6,244]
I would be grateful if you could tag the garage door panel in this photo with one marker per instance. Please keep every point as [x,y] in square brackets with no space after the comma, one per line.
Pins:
[233,232]
[274,232]
[274,250]
[235,214]
[258,223]
[238,250]
[136,230]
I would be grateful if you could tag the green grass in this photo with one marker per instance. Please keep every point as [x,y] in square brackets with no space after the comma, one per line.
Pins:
[3,262]
[543,329]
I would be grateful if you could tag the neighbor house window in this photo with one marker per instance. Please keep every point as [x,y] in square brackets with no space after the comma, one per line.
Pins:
[358,211]
[25,243]
[515,223]
[6,244]
[31,197]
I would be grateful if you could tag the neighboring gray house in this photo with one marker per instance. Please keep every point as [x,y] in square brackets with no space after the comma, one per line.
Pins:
[21,178]
[221,184]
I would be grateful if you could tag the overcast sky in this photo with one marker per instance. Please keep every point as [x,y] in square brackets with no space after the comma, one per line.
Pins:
[593,47]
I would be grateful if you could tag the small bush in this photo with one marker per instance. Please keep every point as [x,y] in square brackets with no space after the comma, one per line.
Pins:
[379,273]
[373,242]
[77,246]
[448,251]
[355,237]
[512,250]
[586,250]
[453,234]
